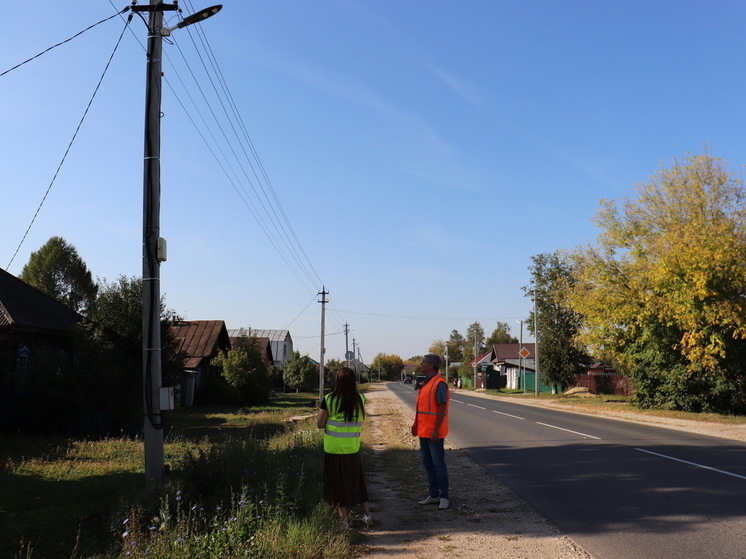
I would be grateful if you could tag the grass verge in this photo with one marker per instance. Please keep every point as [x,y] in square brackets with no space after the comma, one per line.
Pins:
[242,483]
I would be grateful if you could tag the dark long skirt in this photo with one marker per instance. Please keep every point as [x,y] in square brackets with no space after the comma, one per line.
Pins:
[344,483]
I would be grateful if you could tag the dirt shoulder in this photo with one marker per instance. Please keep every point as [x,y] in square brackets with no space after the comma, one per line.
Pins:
[486,519]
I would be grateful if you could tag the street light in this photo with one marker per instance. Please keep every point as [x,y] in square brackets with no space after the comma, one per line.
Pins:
[154,247]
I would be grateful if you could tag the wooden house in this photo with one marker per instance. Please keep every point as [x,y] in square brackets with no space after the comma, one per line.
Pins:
[201,340]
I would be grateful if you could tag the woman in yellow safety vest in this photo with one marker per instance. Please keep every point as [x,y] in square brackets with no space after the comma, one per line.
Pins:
[341,416]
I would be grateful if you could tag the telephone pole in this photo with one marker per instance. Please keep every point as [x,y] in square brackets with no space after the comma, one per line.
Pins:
[323,302]
[355,360]
[153,246]
[347,346]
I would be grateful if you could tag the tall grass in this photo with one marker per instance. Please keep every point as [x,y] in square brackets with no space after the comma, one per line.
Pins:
[242,484]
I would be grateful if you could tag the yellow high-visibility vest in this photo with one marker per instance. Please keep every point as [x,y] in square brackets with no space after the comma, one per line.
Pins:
[340,436]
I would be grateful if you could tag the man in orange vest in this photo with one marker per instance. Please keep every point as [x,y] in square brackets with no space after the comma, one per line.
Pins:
[431,426]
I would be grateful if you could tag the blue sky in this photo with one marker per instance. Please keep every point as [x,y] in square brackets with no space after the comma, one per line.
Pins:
[421,151]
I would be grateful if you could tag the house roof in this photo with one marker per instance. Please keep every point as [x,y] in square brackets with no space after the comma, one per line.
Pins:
[273,335]
[482,359]
[501,352]
[200,339]
[24,306]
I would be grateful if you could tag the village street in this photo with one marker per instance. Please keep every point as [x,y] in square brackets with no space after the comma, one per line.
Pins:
[617,489]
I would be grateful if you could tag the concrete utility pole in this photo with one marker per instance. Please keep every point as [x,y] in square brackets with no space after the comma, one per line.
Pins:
[475,359]
[323,348]
[154,247]
[357,375]
[536,345]
[347,346]
[446,356]
[521,361]
[151,315]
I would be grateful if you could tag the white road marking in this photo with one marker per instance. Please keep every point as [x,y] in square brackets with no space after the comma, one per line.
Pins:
[459,401]
[473,406]
[568,430]
[509,415]
[691,463]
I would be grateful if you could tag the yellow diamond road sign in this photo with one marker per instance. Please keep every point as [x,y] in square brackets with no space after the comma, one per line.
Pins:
[524,352]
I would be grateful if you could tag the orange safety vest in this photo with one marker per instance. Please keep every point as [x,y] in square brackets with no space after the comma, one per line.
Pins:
[427,409]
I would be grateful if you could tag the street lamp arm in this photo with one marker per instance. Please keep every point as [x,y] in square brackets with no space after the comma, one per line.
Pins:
[194,18]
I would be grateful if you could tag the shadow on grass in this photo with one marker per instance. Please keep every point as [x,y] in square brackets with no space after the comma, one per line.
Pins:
[51,515]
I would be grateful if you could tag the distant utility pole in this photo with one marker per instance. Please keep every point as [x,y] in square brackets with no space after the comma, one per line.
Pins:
[446,356]
[355,360]
[475,359]
[323,302]
[536,345]
[347,346]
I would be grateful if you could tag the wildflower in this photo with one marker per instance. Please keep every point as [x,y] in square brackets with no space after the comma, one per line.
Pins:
[152,528]
[125,534]
[126,520]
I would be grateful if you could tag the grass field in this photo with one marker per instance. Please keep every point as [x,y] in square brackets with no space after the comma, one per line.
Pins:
[237,479]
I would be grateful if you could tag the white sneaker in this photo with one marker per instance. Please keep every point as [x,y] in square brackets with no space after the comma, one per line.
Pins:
[429,501]
[368,521]
[444,504]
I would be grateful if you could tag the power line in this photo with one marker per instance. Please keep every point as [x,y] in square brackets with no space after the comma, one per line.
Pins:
[77,129]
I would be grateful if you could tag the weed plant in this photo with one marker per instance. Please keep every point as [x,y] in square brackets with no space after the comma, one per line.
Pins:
[241,484]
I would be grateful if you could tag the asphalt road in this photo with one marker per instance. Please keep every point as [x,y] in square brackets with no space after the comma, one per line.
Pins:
[620,490]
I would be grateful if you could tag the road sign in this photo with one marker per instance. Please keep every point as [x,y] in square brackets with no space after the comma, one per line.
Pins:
[349,356]
[524,352]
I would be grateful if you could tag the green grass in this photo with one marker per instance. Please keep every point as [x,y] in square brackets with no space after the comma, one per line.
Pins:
[237,477]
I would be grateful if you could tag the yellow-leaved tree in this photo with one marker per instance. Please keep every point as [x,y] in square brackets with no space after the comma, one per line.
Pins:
[663,289]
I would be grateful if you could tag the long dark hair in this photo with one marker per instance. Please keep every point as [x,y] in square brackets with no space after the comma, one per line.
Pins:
[345,396]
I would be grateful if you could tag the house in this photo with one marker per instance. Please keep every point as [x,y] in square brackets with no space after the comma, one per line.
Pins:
[483,365]
[512,368]
[30,323]
[280,340]
[201,340]
[265,346]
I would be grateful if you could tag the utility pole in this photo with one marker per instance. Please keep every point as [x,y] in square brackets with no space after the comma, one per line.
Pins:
[151,266]
[347,346]
[475,359]
[536,345]
[446,356]
[323,302]
[521,361]
[357,375]
[153,246]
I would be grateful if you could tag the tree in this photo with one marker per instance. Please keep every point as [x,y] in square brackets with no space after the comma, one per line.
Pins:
[474,336]
[501,335]
[299,371]
[244,369]
[390,366]
[438,347]
[57,270]
[116,318]
[455,346]
[332,366]
[663,289]
[561,357]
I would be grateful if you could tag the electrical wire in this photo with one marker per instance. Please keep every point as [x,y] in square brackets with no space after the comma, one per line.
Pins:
[77,129]
[63,42]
